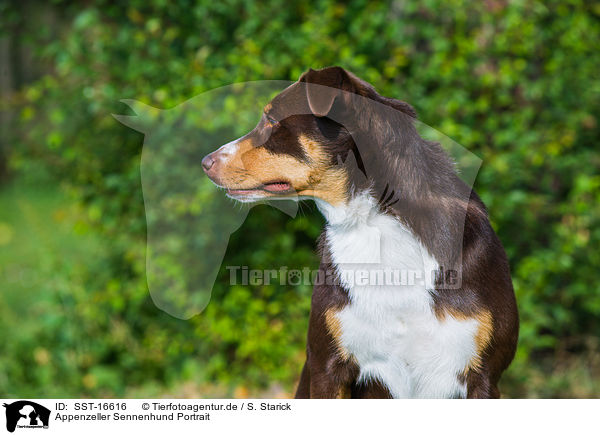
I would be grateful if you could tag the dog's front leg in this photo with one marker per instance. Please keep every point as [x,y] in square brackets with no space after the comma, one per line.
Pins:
[329,371]
[328,374]
[329,378]
[303,391]
[329,386]
[479,385]
[323,378]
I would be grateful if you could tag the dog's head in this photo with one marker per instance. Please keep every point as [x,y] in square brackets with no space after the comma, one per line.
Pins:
[303,135]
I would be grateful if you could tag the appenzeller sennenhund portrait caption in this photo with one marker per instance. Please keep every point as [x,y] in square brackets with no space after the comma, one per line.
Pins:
[392,201]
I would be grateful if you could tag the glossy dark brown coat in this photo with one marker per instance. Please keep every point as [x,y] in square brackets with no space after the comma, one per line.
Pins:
[415,181]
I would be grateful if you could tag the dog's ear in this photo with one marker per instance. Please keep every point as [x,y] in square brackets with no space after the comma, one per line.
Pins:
[333,82]
[329,83]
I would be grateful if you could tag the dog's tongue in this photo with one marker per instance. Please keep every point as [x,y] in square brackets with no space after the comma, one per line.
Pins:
[277,187]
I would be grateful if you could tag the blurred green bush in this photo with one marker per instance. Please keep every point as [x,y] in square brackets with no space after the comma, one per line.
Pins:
[514,82]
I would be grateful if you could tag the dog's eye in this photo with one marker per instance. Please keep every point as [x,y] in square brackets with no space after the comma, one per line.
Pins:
[271,120]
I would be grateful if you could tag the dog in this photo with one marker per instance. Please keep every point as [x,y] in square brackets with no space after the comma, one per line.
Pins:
[392,201]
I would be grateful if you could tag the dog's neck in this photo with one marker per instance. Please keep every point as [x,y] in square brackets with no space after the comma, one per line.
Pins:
[358,210]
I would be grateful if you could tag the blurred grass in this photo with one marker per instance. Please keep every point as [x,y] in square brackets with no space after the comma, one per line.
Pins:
[44,251]
[38,247]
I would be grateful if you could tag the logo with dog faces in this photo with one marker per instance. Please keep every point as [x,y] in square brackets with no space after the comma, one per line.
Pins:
[25,414]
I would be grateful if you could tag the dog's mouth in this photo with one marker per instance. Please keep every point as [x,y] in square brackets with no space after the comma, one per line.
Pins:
[276,188]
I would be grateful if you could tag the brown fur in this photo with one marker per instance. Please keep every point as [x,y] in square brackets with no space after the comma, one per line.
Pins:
[331,135]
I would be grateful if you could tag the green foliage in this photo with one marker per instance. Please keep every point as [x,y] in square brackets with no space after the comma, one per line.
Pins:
[514,82]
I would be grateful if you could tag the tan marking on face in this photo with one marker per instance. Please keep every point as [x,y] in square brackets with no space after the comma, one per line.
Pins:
[267,167]
[331,186]
[334,327]
[327,183]
[268,107]
[331,189]
[253,166]
[313,149]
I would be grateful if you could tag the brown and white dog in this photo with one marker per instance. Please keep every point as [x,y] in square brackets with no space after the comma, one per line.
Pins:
[392,202]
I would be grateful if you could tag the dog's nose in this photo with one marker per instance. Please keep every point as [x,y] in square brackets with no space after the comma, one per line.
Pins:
[208,162]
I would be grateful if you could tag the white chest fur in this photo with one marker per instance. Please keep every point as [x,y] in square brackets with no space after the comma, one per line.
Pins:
[389,326]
